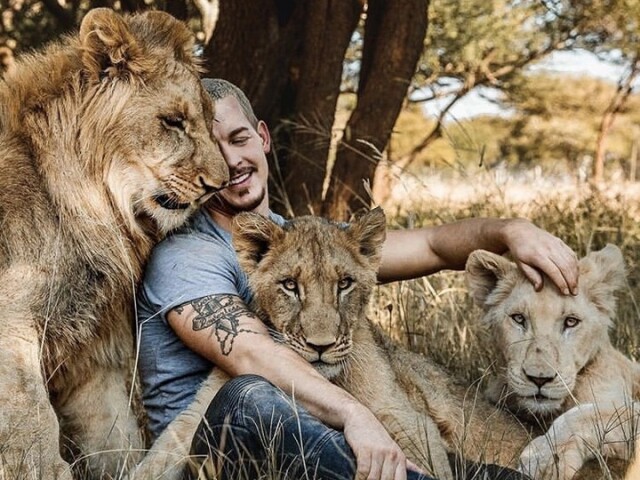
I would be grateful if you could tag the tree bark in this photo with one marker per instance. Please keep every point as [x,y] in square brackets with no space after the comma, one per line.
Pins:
[394,35]
[328,30]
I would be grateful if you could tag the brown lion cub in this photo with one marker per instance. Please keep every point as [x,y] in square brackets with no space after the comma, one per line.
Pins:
[334,266]
[105,145]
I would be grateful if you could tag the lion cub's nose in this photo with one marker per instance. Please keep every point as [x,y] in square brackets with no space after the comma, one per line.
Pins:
[320,348]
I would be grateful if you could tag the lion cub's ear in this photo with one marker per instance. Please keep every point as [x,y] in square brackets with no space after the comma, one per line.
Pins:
[484,270]
[109,47]
[253,235]
[602,273]
[370,230]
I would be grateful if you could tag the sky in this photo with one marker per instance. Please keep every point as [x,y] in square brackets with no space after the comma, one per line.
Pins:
[578,63]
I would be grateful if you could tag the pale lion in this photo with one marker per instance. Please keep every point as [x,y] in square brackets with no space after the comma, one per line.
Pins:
[555,363]
[105,145]
[312,280]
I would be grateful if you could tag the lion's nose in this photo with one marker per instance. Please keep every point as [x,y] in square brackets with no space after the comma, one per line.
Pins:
[539,381]
[320,348]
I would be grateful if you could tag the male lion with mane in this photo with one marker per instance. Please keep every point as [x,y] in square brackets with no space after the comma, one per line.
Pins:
[555,363]
[105,146]
[312,280]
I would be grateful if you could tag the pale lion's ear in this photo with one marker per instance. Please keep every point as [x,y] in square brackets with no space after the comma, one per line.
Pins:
[253,235]
[370,230]
[602,274]
[484,270]
[109,47]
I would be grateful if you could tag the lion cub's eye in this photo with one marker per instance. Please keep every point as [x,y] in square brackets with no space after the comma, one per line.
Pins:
[173,122]
[345,283]
[571,322]
[290,285]
[518,318]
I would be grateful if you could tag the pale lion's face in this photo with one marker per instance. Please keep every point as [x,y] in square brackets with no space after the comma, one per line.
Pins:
[312,280]
[544,340]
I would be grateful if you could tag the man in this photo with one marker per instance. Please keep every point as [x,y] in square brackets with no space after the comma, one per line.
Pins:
[193,314]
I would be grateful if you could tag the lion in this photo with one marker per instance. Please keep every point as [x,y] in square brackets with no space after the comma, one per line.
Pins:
[427,413]
[105,146]
[555,365]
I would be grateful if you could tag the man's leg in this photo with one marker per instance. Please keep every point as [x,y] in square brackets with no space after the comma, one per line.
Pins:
[252,429]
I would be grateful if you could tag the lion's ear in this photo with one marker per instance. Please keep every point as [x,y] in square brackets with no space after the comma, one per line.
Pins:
[484,270]
[109,47]
[370,231]
[602,274]
[253,235]
[163,29]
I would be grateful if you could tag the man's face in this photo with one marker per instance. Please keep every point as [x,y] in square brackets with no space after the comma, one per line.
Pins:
[244,148]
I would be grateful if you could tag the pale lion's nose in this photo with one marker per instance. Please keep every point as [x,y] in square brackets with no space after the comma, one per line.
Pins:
[538,380]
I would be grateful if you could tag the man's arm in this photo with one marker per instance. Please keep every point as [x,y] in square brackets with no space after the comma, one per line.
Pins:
[222,329]
[414,253]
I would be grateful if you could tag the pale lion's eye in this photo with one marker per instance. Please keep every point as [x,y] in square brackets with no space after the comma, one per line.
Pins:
[176,122]
[290,285]
[571,322]
[345,283]
[518,318]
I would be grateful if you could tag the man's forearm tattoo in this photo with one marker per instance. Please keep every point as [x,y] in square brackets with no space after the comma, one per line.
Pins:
[222,312]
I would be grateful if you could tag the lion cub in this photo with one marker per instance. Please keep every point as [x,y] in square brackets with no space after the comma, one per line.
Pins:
[312,280]
[555,362]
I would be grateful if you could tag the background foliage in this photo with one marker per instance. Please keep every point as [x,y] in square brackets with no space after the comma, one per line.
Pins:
[296,58]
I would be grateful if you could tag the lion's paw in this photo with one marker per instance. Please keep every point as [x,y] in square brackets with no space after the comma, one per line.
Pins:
[547,459]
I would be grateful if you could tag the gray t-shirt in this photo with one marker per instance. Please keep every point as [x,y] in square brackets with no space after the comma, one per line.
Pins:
[196,261]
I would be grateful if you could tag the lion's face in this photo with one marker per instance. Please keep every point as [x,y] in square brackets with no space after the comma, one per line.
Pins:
[312,279]
[151,115]
[544,340]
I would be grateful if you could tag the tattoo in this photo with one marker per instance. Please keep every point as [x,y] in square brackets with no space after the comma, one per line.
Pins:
[179,309]
[222,312]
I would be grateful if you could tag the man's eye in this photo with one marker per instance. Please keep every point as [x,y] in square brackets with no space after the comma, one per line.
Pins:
[345,283]
[239,141]
[173,122]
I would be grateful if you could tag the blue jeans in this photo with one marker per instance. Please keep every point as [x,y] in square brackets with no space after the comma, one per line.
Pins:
[252,430]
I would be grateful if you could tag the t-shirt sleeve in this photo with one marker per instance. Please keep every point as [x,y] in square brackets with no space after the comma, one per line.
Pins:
[187,267]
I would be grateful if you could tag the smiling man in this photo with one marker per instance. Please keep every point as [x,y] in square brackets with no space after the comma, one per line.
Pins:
[193,316]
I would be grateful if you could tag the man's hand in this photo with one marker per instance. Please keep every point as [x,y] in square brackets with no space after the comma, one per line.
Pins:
[535,250]
[378,457]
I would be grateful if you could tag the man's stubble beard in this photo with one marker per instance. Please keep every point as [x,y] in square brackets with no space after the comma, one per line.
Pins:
[221,204]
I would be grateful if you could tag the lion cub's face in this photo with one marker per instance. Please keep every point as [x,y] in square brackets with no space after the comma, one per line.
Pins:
[544,339]
[147,115]
[312,279]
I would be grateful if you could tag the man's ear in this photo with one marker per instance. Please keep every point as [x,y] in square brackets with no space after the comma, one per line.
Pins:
[483,272]
[265,136]
[370,231]
[602,274]
[109,47]
[253,235]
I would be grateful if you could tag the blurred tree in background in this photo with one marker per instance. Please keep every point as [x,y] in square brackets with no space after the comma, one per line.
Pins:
[296,58]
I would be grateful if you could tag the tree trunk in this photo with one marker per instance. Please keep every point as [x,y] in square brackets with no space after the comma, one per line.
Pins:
[328,30]
[394,35]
